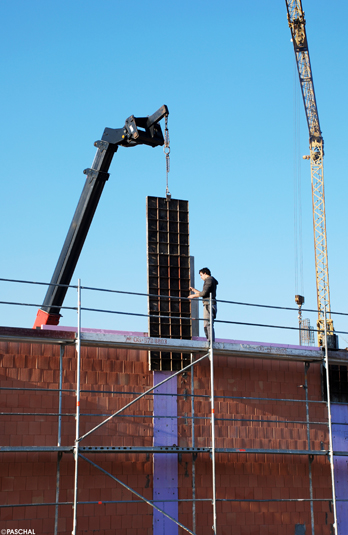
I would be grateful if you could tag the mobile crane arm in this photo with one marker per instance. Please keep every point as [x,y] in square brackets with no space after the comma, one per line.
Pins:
[136,131]
[297,26]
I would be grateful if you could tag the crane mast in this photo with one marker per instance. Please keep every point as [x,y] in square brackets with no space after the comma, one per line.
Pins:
[297,26]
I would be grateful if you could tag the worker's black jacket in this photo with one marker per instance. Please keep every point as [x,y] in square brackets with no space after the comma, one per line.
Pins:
[209,287]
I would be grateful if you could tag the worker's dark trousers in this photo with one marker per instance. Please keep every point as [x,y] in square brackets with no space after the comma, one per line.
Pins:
[206,320]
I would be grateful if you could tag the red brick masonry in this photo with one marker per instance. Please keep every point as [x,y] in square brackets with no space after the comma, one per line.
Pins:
[116,374]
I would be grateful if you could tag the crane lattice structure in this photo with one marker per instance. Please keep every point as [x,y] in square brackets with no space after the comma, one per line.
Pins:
[297,26]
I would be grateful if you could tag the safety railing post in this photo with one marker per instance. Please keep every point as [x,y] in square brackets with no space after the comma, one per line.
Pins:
[193,445]
[326,363]
[212,405]
[77,428]
[59,455]
[61,354]
[310,458]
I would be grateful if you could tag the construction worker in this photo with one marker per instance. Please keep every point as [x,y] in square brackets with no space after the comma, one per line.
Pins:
[209,288]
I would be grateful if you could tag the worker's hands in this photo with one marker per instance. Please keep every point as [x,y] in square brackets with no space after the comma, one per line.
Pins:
[195,293]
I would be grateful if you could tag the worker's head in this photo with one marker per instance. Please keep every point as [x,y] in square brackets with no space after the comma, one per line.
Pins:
[204,273]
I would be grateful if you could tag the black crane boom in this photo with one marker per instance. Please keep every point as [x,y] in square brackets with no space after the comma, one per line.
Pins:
[136,131]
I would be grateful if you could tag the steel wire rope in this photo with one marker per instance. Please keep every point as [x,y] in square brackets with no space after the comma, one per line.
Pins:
[295,184]
[16,303]
[229,322]
[298,244]
[137,314]
[90,288]
[37,282]
[124,292]
[241,303]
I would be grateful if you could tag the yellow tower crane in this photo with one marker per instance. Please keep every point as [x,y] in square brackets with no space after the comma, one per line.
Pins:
[297,26]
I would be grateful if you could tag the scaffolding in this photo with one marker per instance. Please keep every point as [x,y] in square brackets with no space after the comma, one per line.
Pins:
[198,352]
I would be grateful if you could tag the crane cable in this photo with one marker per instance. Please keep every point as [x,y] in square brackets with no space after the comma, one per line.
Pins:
[166,150]
[298,247]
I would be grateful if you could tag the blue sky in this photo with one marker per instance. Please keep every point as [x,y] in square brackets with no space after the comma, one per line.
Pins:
[226,72]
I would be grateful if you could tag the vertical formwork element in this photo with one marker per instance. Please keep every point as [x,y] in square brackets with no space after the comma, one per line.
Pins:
[168,261]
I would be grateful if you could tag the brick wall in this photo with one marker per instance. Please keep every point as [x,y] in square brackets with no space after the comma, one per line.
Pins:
[30,478]
[241,477]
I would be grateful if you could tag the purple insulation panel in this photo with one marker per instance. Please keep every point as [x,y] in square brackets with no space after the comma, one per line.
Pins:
[339,415]
[165,470]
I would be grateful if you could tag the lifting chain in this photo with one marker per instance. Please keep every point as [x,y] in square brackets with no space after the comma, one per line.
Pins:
[166,150]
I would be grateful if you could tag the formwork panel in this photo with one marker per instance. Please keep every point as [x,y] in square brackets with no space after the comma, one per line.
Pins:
[168,277]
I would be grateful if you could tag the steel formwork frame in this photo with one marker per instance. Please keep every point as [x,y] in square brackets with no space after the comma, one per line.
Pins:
[169,275]
[78,451]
